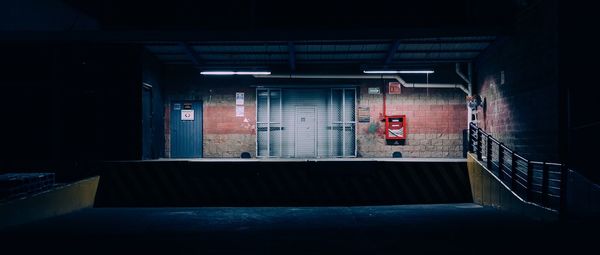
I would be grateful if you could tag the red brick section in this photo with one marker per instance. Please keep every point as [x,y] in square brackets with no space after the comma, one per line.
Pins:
[443,111]
[526,121]
[523,112]
[221,119]
[429,119]
[435,121]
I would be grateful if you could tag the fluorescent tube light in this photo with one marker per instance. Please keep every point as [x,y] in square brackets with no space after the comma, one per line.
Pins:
[235,73]
[217,73]
[253,73]
[398,71]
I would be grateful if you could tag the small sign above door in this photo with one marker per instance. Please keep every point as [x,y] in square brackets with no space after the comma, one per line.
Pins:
[187,114]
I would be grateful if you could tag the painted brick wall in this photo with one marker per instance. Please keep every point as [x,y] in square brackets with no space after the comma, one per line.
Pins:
[435,117]
[435,120]
[226,135]
[523,112]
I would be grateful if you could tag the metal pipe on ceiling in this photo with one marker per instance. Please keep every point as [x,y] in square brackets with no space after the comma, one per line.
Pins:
[393,77]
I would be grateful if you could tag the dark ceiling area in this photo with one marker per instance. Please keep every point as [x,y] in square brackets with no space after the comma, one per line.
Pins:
[307,35]
[303,55]
[309,14]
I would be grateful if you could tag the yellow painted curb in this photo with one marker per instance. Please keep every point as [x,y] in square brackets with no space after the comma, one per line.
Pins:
[488,190]
[57,201]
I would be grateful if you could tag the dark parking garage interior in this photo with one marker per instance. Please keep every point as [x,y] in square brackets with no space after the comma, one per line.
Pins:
[308,127]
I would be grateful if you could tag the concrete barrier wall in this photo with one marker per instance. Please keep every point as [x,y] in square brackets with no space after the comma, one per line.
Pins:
[487,190]
[277,183]
[54,202]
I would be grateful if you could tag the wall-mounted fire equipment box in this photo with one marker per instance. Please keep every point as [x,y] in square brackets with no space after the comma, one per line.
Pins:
[395,127]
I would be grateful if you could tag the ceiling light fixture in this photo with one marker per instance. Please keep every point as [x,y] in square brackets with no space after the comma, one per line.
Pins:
[253,73]
[399,71]
[235,73]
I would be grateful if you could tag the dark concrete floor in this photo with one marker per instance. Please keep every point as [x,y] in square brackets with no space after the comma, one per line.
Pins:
[403,229]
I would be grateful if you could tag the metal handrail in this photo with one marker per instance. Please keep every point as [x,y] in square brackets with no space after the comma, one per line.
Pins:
[507,163]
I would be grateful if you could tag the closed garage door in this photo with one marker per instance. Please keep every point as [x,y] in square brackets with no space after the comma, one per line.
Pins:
[306,123]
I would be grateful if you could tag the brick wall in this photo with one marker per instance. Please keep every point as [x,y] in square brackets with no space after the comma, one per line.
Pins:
[435,117]
[523,112]
[226,135]
[435,120]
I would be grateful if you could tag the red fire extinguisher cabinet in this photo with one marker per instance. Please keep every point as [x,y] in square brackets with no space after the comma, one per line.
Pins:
[395,127]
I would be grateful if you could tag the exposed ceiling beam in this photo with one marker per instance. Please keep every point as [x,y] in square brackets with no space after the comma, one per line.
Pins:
[391,52]
[320,52]
[332,61]
[194,36]
[338,42]
[292,57]
[191,53]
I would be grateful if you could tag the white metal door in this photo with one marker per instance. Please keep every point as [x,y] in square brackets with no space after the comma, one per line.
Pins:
[306,130]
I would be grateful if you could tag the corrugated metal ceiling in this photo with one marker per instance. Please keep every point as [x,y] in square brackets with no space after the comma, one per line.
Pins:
[443,49]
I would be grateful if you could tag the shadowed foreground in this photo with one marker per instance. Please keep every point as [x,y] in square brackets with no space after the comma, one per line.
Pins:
[405,229]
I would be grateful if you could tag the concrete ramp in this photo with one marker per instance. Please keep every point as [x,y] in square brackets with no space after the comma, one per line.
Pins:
[490,191]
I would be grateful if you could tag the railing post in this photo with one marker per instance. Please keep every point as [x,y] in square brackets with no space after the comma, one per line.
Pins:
[471,149]
[564,173]
[545,184]
[500,160]
[529,180]
[489,152]
[479,144]
[513,171]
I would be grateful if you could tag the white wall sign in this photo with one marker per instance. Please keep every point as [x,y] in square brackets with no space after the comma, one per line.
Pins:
[239,98]
[374,91]
[239,111]
[187,114]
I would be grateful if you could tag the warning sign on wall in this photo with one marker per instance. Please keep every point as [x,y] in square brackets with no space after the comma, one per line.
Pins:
[394,88]
[187,114]
[364,114]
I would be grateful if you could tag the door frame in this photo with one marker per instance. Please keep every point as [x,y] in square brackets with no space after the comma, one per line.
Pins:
[148,151]
[315,134]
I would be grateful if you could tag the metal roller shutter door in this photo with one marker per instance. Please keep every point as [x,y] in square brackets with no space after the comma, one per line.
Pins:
[277,131]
